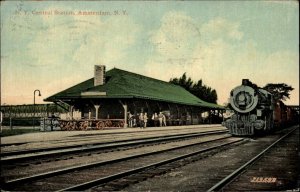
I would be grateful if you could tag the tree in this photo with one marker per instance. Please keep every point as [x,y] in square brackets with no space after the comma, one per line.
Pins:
[280,91]
[183,82]
[201,91]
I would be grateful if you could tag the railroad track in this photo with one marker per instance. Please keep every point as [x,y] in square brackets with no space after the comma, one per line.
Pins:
[87,176]
[18,166]
[92,137]
[275,168]
[11,158]
[82,141]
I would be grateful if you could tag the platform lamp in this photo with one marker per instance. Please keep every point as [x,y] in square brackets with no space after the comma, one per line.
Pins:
[34,104]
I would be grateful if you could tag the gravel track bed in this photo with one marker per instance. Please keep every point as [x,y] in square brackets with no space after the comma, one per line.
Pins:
[113,168]
[203,174]
[94,157]
[278,169]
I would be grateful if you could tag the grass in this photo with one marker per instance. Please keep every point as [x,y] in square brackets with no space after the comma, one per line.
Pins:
[10,132]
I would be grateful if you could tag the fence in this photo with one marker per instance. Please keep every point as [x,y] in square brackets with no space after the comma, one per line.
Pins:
[28,115]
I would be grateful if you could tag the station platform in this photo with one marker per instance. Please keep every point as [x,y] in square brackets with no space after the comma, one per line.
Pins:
[61,135]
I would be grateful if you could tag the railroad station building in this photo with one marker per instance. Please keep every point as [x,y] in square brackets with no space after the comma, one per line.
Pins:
[106,100]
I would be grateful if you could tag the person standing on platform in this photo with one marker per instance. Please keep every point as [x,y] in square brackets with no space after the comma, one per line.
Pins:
[134,120]
[141,120]
[155,119]
[145,120]
[130,119]
[160,118]
[164,120]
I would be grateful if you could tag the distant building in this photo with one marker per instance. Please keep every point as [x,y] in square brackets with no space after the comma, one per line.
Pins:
[112,94]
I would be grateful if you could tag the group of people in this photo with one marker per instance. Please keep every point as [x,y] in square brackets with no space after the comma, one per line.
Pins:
[141,120]
[161,118]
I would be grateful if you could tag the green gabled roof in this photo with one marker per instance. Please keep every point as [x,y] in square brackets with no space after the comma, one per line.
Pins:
[124,84]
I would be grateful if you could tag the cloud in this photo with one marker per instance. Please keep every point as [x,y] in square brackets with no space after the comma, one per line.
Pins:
[60,51]
[44,50]
[176,37]
[222,28]
[51,47]
[181,46]
[285,67]
[219,56]
[53,40]
[106,42]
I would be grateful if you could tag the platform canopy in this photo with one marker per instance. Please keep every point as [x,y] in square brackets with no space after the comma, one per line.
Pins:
[123,84]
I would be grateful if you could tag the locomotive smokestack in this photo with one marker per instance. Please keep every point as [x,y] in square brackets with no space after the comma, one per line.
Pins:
[245,82]
[99,75]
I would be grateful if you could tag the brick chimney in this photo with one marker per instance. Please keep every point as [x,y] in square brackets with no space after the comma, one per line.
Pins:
[99,75]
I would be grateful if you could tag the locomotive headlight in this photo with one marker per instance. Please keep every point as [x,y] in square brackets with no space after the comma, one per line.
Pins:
[243,99]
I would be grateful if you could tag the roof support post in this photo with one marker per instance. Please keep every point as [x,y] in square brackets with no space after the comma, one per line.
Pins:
[222,113]
[159,107]
[134,108]
[71,111]
[191,111]
[125,113]
[210,116]
[177,112]
[97,111]
[147,105]
[200,116]
[169,106]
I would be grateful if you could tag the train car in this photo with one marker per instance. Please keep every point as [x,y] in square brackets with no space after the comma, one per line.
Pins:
[253,110]
[292,117]
[279,114]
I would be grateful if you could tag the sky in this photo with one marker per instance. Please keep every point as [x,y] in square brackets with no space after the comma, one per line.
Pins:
[52,45]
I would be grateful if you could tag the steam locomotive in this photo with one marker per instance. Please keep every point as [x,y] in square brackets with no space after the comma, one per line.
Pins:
[255,111]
